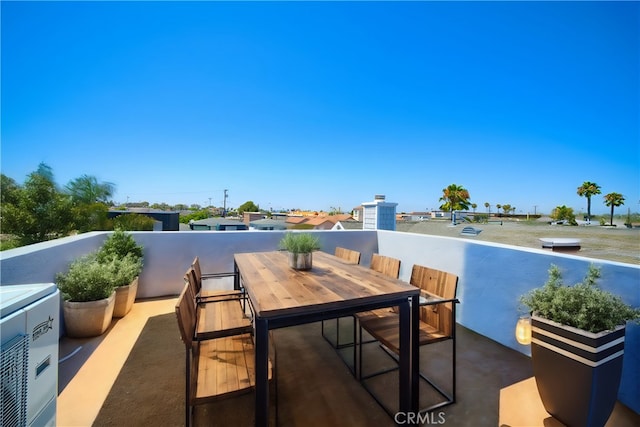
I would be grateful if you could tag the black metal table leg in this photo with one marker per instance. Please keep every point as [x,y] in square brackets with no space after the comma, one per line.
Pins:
[236,277]
[415,353]
[409,356]
[262,372]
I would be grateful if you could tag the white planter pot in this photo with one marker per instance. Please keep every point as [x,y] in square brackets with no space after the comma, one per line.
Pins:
[88,319]
[125,297]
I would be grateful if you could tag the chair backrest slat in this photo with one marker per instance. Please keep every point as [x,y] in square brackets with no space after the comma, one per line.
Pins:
[190,279]
[197,272]
[441,284]
[185,312]
[385,265]
[348,255]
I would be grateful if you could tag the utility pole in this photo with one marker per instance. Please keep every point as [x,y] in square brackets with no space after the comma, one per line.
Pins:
[224,205]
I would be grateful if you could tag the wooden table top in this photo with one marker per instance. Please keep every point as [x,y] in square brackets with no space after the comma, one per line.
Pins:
[276,289]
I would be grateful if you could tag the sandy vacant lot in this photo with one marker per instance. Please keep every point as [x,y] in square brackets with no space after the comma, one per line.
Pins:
[611,243]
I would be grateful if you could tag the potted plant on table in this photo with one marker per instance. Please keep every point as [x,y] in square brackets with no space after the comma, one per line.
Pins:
[300,247]
[577,347]
[124,257]
[88,297]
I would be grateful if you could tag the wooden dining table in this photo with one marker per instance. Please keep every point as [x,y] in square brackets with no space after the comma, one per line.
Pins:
[281,296]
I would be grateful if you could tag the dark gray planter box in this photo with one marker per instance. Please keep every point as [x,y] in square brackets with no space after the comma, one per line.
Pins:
[577,372]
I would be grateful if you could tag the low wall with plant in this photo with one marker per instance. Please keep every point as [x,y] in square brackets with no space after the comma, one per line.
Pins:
[167,255]
[493,276]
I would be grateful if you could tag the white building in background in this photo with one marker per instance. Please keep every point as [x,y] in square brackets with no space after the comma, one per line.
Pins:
[379,214]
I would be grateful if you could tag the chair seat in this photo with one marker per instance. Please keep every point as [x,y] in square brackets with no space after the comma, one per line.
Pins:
[222,318]
[224,367]
[218,294]
[385,329]
[373,314]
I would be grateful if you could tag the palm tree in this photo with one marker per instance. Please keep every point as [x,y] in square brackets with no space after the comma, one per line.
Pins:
[87,190]
[588,189]
[613,200]
[474,206]
[488,206]
[455,197]
[45,171]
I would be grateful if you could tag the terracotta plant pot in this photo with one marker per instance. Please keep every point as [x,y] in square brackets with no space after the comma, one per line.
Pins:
[301,261]
[88,319]
[577,372]
[125,297]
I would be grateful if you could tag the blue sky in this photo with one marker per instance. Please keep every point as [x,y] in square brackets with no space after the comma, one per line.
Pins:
[316,105]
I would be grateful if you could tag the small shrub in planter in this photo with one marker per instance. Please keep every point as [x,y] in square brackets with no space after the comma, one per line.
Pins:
[577,347]
[118,245]
[87,280]
[89,298]
[299,243]
[300,247]
[584,306]
[107,277]
[124,256]
[124,270]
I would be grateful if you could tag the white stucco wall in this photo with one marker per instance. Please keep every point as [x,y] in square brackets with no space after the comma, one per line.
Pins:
[167,255]
[39,263]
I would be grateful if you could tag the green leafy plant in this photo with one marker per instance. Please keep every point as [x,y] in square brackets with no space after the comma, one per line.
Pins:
[196,216]
[133,222]
[564,213]
[482,218]
[123,256]
[95,276]
[124,270]
[119,245]
[87,280]
[584,306]
[299,243]
[7,243]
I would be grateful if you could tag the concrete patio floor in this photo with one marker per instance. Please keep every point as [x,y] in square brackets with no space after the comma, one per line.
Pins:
[315,387]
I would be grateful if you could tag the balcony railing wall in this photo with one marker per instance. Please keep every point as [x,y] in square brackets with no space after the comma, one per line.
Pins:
[492,276]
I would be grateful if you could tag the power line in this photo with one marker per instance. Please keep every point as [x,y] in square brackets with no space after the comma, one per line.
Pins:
[175,192]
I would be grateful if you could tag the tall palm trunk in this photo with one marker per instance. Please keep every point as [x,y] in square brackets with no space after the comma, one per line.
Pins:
[612,214]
